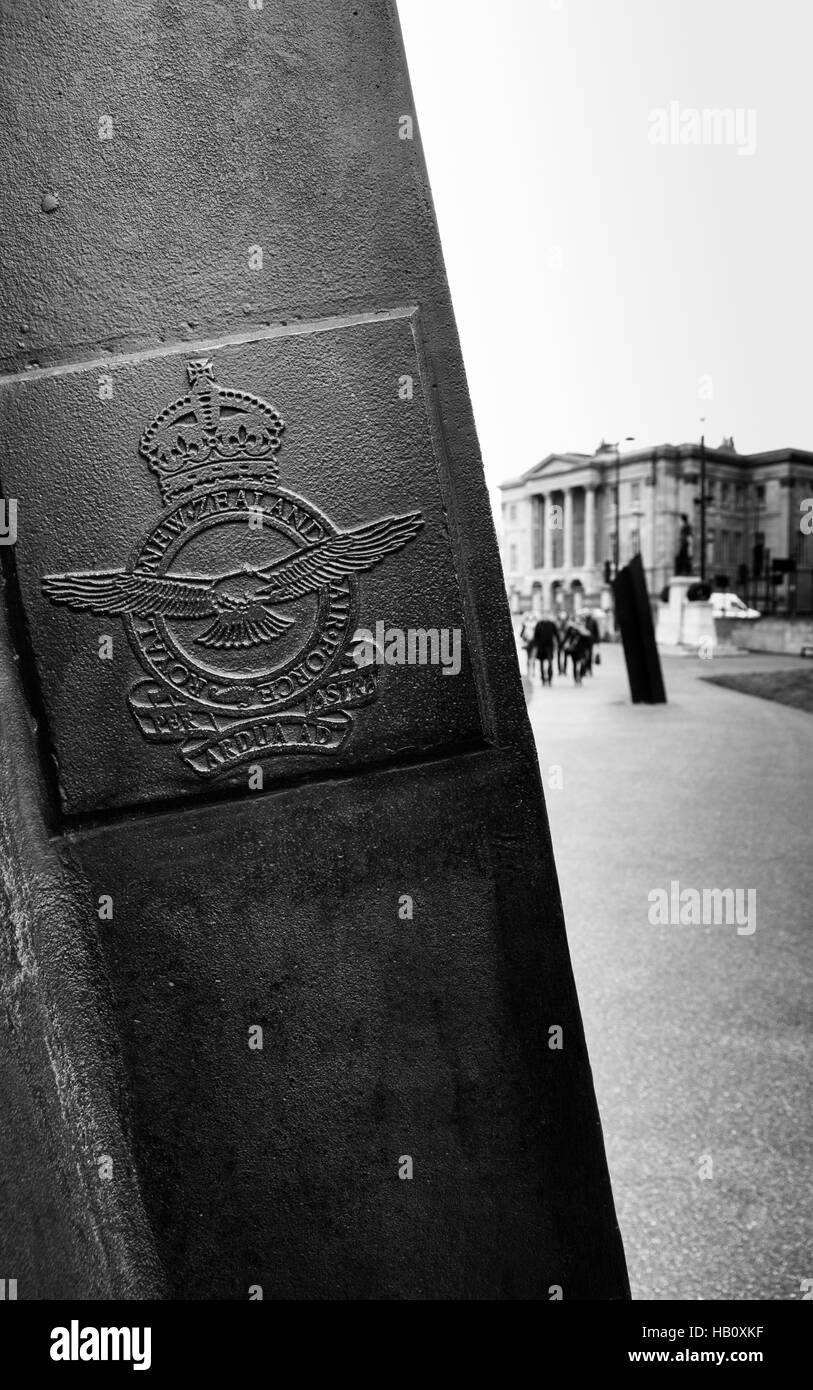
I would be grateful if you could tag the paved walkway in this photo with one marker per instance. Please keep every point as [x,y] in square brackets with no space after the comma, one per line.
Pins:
[699,1037]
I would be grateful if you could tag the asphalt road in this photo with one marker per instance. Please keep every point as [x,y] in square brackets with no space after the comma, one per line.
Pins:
[699,1036]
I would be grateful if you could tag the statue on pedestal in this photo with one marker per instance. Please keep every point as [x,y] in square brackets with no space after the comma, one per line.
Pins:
[683,559]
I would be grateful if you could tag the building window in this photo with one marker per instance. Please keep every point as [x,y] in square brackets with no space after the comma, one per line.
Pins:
[740,497]
[635,493]
[710,547]
[725,494]
[512,559]
[512,512]
[760,492]
[738,546]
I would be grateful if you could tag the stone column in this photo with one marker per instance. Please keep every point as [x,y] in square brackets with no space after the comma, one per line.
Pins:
[568,527]
[589,526]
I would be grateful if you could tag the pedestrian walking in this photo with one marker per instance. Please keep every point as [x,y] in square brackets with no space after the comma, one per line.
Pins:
[526,637]
[577,643]
[592,655]
[545,643]
[561,644]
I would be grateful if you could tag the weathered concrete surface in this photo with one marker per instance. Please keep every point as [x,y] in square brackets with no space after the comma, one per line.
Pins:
[72,1224]
[381,1038]
[384,1036]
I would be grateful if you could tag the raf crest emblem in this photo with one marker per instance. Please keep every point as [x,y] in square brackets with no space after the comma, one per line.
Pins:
[241,602]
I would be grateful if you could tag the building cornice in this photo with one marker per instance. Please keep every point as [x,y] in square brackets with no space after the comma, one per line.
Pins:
[607,462]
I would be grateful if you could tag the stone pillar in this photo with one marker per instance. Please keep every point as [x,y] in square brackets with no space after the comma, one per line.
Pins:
[589,526]
[568,528]
[228,359]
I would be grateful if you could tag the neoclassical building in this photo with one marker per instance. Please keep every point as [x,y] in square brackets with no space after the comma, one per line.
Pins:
[567,519]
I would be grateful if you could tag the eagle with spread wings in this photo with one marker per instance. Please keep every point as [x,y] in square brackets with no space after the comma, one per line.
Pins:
[237,602]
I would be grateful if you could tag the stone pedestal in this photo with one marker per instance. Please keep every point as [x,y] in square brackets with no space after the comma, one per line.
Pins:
[697,629]
[682,624]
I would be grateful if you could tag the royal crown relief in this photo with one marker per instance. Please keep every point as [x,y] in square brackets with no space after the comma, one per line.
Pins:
[241,601]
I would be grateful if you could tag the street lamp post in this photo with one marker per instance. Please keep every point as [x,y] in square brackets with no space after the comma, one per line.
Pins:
[617,509]
[756,550]
[791,571]
[702,501]
[628,439]
[702,506]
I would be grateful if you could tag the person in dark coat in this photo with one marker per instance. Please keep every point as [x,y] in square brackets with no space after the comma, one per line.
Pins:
[544,643]
[577,645]
[561,644]
[591,625]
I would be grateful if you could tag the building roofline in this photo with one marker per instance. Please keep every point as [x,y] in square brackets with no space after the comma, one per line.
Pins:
[785,454]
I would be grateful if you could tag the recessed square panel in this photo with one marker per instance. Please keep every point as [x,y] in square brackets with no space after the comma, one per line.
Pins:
[235,564]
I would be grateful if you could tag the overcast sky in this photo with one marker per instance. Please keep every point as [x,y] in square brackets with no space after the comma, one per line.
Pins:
[598,276]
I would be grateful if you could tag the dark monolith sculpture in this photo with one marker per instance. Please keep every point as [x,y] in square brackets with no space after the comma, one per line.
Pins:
[288,1009]
[633,613]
